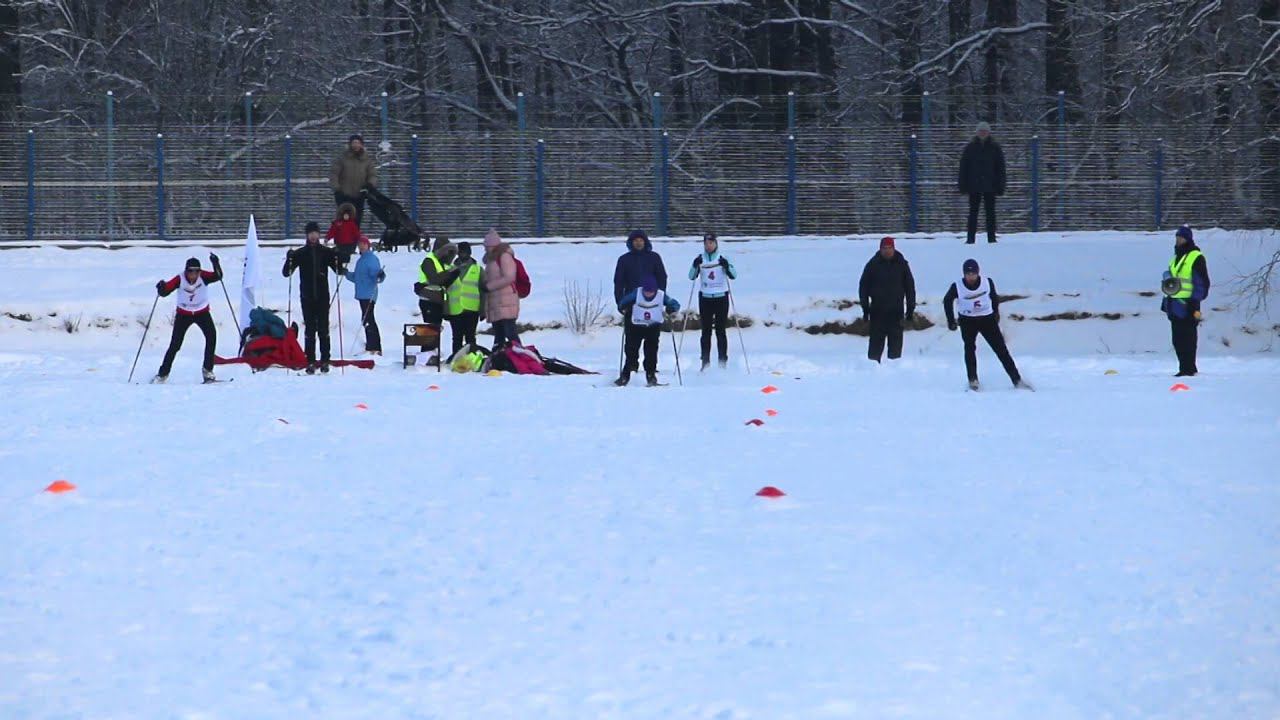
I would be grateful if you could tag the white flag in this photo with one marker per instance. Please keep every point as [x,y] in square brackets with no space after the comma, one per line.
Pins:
[252,276]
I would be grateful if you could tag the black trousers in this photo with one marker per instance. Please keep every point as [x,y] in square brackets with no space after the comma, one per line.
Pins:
[358,201]
[885,326]
[315,320]
[372,337]
[463,329]
[432,313]
[714,314]
[989,328]
[181,324]
[504,331]
[976,199]
[648,335]
[1185,338]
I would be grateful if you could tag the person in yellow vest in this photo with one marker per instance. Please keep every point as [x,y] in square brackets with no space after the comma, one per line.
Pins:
[1185,284]
[462,300]
[434,275]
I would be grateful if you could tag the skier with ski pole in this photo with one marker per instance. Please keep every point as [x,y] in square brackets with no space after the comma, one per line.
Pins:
[712,271]
[192,309]
[634,266]
[314,261]
[979,306]
[645,309]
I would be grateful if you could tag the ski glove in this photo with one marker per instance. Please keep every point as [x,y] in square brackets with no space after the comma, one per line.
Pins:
[952,326]
[213,258]
[160,288]
[724,263]
[382,275]
[697,262]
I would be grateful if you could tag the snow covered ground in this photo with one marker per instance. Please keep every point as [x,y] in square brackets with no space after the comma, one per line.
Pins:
[542,547]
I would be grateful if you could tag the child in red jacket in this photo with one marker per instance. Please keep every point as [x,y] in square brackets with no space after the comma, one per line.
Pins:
[344,232]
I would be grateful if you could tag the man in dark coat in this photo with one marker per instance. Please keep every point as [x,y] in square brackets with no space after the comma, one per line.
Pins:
[638,265]
[982,178]
[314,261]
[886,284]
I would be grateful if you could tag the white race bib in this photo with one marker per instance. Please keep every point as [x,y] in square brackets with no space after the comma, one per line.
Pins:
[647,312]
[974,303]
[714,280]
[192,297]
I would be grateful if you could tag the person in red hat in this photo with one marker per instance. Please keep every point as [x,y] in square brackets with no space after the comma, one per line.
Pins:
[885,288]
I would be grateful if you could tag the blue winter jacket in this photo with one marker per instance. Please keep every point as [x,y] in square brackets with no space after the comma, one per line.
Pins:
[624,305]
[366,275]
[712,259]
[634,267]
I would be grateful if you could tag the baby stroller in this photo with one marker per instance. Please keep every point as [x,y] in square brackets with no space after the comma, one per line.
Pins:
[401,229]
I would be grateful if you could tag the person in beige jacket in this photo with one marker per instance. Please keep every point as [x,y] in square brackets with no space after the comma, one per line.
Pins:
[501,302]
[352,171]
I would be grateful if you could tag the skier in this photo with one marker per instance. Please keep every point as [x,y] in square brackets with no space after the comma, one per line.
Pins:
[193,309]
[886,283]
[1186,283]
[645,309]
[367,274]
[315,261]
[462,300]
[979,315]
[714,271]
[637,264]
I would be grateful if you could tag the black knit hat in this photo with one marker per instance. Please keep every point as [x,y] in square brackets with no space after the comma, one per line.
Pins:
[355,136]
[312,226]
[971,265]
[193,264]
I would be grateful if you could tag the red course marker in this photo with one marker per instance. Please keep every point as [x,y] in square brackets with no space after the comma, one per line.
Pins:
[361,406]
[769,491]
[754,421]
[1178,387]
[433,387]
[60,486]
[768,389]
[771,413]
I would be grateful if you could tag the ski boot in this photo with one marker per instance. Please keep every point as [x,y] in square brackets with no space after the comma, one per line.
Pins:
[724,363]
[1023,385]
[651,380]
[324,367]
[159,379]
[623,379]
[208,377]
[311,368]
[706,363]
[973,384]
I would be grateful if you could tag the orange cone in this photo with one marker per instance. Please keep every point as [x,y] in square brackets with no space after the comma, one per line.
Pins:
[60,486]
[1178,387]
[769,491]
[768,389]
[771,413]
[433,387]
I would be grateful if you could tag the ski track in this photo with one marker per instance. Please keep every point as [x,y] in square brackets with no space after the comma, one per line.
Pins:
[540,547]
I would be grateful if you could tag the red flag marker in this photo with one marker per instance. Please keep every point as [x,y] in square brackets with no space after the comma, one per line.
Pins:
[769,491]
[361,406]
[771,413]
[1178,387]
[433,387]
[768,389]
[754,421]
[60,486]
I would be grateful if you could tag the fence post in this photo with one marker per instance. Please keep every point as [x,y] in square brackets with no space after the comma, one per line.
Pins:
[664,210]
[913,209]
[31,185]
[160,185]
[1035,183]
[413,177]
[520,119]
[657,158]
[539,216]
[384,117]
[924,110]
[248,153]
[111,166]
[791,184]
[791,112]
[288,185]
[1159,183]
[1062,218]
[1062,108]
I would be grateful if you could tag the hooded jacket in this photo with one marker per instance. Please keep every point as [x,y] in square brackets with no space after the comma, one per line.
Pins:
[351,171]
[982,167]
[636,265]
[500,299]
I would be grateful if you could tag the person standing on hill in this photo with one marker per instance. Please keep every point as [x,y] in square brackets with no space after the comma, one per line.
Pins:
[885,286]
[352,171]
[1185,284]
[314,261]
[713,272]
[982,178]
[979,306]
[193,309]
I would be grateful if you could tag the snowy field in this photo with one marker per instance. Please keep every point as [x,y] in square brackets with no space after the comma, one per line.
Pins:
[525,547]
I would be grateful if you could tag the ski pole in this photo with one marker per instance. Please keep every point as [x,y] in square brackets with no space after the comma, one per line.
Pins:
[742,343]
[364,318]
[622,347]
[145,330]
[289,312]
[235,319]
[341,350]
[679,376]
[688,304]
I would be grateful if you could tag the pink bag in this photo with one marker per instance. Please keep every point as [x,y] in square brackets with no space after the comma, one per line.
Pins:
[524,361]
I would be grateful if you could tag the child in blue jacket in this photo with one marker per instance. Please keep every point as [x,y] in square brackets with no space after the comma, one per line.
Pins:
[365,276]
[645,308]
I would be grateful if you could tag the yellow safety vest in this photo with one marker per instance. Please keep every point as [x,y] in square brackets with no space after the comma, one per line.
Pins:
[1180,270]
[422,276]
[464,293]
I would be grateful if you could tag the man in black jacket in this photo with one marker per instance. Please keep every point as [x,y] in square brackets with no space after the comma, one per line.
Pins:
[885,285]
[314,262]
[982,178]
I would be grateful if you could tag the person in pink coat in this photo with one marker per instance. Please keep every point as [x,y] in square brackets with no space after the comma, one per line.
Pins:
[501,303]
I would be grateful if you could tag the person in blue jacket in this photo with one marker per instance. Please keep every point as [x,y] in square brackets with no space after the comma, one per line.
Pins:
[645,309]
[365,276]
[636,264]
[713,272]
[1185,284]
